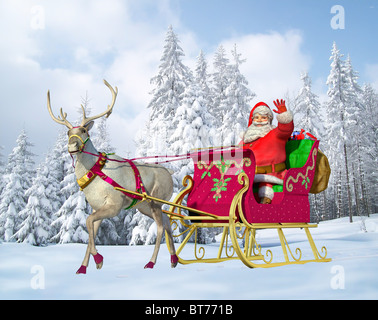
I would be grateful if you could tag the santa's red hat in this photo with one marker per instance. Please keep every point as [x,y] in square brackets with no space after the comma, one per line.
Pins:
[265,109]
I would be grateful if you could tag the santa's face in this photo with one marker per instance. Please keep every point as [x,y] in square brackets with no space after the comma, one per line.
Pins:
[260,120]
[259,128]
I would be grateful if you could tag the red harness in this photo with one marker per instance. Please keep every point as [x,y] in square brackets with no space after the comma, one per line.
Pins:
[96,170]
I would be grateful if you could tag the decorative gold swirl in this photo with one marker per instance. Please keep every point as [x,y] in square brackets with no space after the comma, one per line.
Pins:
[229,248]
[173,222]
[174,226]
[268,253]
[324,250]
[290,187]
[202,164]
[201,249]
[245,162]
[240,234]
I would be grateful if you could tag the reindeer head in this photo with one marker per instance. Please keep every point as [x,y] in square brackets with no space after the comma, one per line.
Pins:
[78,136]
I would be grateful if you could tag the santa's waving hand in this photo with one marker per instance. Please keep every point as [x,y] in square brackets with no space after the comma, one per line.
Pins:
[280,105]
[268,145]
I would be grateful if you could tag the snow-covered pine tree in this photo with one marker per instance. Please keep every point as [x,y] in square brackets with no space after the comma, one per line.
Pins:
[333,125]
[44,197]
[170,83]
[18,178]
[237,96]
[202,78]
[220,81]
[2,170]
[193,129]
[340,116]
[308,116]
[369,148]
[353,117]
[100,136]
[56,160]
[141,230]
[72,215]
[171,80]
[308,112]
[42,201]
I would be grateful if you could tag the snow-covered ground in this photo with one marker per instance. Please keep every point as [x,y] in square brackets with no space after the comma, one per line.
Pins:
[28,272]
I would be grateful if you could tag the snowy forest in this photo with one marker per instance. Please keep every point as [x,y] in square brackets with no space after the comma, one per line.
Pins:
[208,106]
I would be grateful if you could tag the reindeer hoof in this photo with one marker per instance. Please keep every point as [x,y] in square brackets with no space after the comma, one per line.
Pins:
[174,260]
[149,265]
[99,259]
[82,270]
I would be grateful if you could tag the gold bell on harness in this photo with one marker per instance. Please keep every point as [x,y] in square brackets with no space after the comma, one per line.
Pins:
[103,159]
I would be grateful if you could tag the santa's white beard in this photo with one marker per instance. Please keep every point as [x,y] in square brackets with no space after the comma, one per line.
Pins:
[254,132]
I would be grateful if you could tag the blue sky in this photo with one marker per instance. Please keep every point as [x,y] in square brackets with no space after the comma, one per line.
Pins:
[217,20]
[70,46]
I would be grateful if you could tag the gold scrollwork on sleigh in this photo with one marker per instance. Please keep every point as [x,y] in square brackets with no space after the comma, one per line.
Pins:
[290,186]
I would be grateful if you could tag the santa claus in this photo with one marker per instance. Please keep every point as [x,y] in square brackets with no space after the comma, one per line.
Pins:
[268,145]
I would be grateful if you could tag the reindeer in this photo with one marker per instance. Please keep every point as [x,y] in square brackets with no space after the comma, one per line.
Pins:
[104,199]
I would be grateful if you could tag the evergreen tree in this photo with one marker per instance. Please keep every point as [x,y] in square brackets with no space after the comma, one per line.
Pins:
[42,201]
[308,112]
[342,110]
[193,129]
[172,79]
[2,172]
[72,216]
[220,80]
[202,78]
[237,96]
[18,179]
[170,84]
[59,163]
[337,83]
[101,136]
[369,145]
[44,198]
[353,115]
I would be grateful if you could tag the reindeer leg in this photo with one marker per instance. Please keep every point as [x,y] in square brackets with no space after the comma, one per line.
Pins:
[157,215]
[93,223]
[169,239]
[84,265]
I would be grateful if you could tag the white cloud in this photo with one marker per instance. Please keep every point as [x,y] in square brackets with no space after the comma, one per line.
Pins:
[274,63]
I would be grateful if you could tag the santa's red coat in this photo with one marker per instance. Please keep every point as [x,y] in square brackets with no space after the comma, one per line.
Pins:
[270,149]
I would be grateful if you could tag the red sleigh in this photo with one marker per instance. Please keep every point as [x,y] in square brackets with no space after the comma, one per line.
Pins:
[220,194]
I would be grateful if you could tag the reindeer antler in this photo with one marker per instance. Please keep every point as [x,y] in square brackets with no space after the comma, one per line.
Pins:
[61,120]
[107,112]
